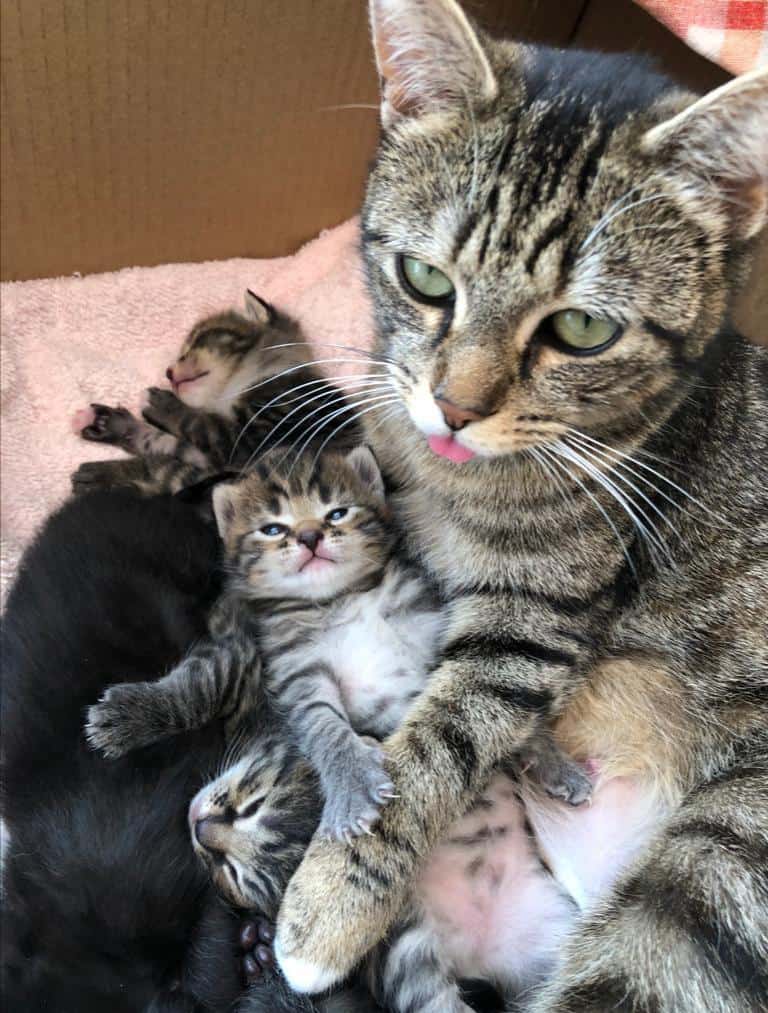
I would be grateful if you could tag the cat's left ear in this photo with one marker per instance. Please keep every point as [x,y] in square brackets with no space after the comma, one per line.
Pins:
[259,310]
[429,56]
[364,463]
[716,150]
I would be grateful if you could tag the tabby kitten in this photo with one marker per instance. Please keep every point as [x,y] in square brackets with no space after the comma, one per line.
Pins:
[240,385]
[347,634]
[553,241]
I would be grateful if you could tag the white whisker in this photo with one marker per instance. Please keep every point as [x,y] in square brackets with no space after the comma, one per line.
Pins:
[370,404]
[608,218]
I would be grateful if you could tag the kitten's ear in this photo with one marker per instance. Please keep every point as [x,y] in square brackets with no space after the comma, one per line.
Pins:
[363,462]
[429,57]
[259,310]
[717,151]
[224,502]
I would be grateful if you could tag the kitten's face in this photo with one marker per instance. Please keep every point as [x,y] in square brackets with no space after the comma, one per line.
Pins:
[298,531]
[533,268]
[224,354]
[239,823]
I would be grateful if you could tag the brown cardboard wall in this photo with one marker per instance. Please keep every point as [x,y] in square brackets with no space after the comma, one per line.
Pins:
[148,131]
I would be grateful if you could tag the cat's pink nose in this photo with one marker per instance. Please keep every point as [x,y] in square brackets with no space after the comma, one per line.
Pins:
[169,374]
[311,537]
[455,416]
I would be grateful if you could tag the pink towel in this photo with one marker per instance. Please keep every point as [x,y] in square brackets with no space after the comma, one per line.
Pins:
[69,341]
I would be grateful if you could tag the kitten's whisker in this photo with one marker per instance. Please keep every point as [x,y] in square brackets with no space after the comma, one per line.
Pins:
[282,397]
[552,451]
[348,105]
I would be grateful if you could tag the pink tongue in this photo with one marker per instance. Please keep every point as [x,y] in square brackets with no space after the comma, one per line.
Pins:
[446,446]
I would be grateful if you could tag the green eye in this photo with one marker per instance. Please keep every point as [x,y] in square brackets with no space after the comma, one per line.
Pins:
[424,282]
[272,530]
[583,333]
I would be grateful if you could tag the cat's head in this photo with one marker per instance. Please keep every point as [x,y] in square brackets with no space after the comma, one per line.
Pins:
[305,528]
[552,239]
[224,353]
[246,825]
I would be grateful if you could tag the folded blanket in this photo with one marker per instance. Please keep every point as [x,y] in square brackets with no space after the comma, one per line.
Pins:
[69,341]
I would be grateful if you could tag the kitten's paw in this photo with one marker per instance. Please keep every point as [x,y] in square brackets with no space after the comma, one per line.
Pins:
[356,794]
[256,938]
[102,424]
[341,901]
[161,408]
[93,476]
[124,719]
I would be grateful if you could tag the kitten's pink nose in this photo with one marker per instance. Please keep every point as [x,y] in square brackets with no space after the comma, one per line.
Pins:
[169,374]
[311,537]
[455,416]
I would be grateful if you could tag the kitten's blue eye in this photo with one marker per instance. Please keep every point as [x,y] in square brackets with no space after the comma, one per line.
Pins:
[337,514]
[272,530]
[424,282]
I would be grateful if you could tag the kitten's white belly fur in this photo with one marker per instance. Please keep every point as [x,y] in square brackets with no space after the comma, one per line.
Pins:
[381,655]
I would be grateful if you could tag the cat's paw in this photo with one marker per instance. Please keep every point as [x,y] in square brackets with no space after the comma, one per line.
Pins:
[256,938]
[101,424]
[560,776]
[161,408]
[124,719]
[341,901]
[355,793]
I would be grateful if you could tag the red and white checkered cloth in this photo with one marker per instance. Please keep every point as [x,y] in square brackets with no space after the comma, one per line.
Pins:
[733,33]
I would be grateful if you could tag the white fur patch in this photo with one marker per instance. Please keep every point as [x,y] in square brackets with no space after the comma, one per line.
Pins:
[302,975]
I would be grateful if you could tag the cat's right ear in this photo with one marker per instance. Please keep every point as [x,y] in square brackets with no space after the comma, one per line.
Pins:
[429,58]
[224,503]
[259,310]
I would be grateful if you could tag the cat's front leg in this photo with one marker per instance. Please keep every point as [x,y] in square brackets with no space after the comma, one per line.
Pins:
[489,695]
[165,411]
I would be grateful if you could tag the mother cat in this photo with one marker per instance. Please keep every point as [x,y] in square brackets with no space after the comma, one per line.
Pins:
[553,241]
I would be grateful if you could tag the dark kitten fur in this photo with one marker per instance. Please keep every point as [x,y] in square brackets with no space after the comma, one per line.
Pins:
[241,384]
[105,906]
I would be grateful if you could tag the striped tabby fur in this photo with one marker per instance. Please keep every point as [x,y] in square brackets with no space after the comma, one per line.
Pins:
[241,385]
[606,549]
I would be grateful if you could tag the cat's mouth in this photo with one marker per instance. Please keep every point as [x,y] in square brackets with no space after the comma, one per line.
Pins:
[316,562]
[449,448]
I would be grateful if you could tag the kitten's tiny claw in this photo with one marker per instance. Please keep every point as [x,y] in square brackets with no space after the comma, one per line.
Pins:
[107,425]
[357,796]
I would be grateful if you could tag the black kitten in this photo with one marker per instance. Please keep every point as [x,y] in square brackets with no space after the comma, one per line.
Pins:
[105,906]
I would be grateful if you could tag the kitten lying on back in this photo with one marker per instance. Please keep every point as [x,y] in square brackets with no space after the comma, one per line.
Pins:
[241,384]
[348,633]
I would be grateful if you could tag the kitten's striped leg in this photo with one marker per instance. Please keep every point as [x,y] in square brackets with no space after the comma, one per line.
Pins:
[148,476]
[351,770]
[408,977]
[488,696]
[687,929]
[217,679]
[119,428]
[207,433]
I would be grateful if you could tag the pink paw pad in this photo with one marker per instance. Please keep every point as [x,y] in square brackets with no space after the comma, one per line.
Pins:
[82,419]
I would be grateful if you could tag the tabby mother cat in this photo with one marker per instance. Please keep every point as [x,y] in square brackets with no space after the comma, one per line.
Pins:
[553,241]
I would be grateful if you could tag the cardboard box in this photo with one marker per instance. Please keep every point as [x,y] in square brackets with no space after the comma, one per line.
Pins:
[152,131]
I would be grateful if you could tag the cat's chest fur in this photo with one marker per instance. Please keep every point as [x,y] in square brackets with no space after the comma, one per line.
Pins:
[380,645]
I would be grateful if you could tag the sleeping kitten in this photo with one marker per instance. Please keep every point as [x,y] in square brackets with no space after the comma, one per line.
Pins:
[348,634]
[240,385]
